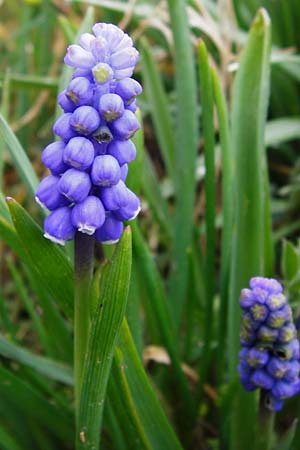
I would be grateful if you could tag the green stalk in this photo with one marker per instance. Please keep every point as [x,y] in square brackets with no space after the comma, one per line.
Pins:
[84,263]
[265,425]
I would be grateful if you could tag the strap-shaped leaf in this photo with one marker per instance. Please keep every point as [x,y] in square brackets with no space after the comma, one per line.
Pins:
[48,260]
[104,332]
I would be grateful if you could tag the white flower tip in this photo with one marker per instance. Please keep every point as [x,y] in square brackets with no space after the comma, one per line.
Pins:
[110,242]
[86,229]
[39,202]
[54,239]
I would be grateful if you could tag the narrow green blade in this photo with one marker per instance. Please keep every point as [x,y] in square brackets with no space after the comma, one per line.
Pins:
[249,108]
[48,260]
[105,330]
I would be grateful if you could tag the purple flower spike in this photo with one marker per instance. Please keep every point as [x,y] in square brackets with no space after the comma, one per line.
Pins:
[270,347]
[80,91]
[111,107]
[85,120]
[131,210]
[63,128]
[110,232]
[128,89]
[79,153]
[89,165]
[52,157]
[47,194]
[88,215]
[123,151]
[78,57]
[126,126]
[58,226]
[75,185]
[105,171]
[114,197]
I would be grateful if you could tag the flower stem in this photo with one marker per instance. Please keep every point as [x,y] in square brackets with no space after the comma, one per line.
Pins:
[84,263]
[265,425]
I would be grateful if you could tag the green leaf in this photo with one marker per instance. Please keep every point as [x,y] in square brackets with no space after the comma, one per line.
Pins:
[282,130]
[104,333]
[186,151]
[7,441]
[48,260]
[33,404]
[19,156]
[249,108]
[206,92]
[145,408]
[159,108]
[51,369]
[289,261]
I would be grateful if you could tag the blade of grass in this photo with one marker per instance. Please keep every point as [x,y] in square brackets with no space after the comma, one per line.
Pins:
[19,156]
[49,368]
[250,99]
[23,81]
[282,130]
[206,92]
[157,428]
[104,332]
[7,440]
[47,259]
[159,108]
[186,150]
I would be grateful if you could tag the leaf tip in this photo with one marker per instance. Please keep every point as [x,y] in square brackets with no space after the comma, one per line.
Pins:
[262,19]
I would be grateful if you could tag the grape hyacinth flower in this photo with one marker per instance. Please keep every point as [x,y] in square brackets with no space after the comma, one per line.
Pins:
[86,189]
[269,358]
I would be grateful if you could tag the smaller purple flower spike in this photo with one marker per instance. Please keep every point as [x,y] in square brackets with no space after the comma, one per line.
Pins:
[53,157]
[111,107]
[80,91]
[88,215]
[110,232]
[128,89]
[79,153]
[85,120]
[48,195]
[269,358]
[58,226]
[75,185]
[86,190]
[105,171]
[63,128]
[123,151]
[126,126]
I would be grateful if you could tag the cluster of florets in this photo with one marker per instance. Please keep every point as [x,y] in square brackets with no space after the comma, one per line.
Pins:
[269,358]
[86,190]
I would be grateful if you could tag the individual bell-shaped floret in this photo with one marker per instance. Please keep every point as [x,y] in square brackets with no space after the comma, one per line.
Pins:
[62,127]
[114,197]
[80,91]
[123,151]
[65,103]
[105,171]
[103,135]
[131,210]
[52,157]
[79,153]
[88,215]
[126,126]
[111,107]
[75,185]
[58,226]
[76,56]
[111,230]
[85,120]
[128,89]
[47,194]
[102,73]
